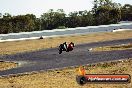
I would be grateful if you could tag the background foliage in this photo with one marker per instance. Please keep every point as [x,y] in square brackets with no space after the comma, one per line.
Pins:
[103,12]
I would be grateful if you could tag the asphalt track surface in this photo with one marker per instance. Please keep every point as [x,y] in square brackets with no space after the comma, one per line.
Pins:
[50,59]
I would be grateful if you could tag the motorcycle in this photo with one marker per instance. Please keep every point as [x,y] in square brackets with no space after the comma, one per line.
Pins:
[65,47]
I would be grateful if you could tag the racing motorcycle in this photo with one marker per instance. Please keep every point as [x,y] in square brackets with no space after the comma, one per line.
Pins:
[66,47]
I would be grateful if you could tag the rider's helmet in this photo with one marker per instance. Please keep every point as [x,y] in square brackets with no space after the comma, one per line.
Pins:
[72,44]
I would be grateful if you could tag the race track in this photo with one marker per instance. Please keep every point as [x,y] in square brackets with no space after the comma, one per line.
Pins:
[50,59]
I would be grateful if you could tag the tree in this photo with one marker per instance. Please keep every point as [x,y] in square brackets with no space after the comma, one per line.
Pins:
[0,15]
[126,12]
[106,12]
[52,19]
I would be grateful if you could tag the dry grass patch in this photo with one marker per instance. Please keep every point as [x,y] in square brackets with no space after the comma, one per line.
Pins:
[7,65]
[63,78]
[31,45]
[110,48]
[66,78]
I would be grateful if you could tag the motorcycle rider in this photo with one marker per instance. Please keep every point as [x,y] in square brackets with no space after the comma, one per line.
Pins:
[70,47]
[65,46]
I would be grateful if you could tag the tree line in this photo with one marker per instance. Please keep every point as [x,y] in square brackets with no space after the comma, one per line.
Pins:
[103,12]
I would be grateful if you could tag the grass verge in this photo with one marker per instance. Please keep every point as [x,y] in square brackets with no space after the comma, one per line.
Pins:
[7,65]
[32,45]
[66,78]
[116,47]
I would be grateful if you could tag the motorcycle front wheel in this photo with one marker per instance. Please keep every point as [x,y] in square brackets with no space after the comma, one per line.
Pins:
[60,50]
